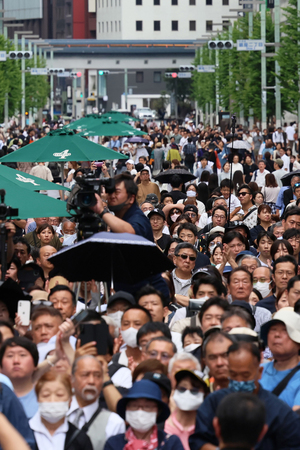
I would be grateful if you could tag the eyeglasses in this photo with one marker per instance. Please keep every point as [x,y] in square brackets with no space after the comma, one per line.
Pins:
[135,407]
[175,211]
[191,258]
[153,354]
[42,302]
[193,391]
[219,217]
[242,194]
[191,214]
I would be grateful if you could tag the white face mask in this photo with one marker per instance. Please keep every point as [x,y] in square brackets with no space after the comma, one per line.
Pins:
[129,337]
[141,420]
[54,227]
[186,401]
[191,193]
[174,217]
[190,348]
[53,411]
[116,317]
[263,288]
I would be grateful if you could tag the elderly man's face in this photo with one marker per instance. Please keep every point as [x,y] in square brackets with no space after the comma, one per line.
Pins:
[87,381]
[250,264]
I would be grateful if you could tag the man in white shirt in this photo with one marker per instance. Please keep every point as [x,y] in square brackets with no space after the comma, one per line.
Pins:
[277,136]
[290,131]
[87,382]
[285,159]
[183,140]
[259,176]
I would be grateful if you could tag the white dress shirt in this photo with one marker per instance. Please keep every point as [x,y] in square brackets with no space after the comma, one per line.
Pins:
[115,424]
[42,436]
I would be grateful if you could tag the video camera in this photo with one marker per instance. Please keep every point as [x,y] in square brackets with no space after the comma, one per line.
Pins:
[83,198]
[5,212]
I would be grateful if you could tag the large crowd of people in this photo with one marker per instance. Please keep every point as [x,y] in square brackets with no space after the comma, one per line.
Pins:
[202,356]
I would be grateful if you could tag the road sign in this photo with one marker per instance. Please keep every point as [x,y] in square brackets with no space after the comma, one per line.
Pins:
[184,74]
[248,45]
[2,56]
[206,69]
[41,71]
[63,74]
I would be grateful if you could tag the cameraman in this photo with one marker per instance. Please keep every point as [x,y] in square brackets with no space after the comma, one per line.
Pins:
[128,217]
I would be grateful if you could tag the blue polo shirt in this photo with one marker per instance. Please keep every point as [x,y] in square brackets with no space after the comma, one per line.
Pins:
[272,377]
[283,423]
[139,222]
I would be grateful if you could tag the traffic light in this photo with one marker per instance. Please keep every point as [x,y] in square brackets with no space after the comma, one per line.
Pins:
[186,68]
[20,55]
[220,45]
[75,74]
[171,75]
[55,71]
[104,72]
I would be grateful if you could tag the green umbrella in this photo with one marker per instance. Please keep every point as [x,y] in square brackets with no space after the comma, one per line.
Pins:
[82,123]
[32,204]
[116,115]
[24,180]
[61,146]
[109,127]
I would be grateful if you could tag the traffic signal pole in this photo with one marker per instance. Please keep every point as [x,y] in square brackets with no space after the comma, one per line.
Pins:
[23,85]
[51,86]
[263,68]
[277,67]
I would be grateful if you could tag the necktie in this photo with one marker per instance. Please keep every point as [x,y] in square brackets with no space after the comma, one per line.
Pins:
[78,414]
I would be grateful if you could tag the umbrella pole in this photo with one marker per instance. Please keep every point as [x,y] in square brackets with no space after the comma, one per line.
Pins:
[78,289]
[112,276]
[106,293]
[85,295]
[62,165]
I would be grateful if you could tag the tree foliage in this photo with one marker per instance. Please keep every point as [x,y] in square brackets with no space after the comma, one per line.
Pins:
[36,86]
[238,72]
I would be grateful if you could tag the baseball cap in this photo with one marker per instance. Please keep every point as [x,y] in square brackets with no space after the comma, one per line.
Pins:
[121,295]
[161,380]
[158,212]
[289,318]
[147,169]
[130,161]
[279,162]
[244,334]
[216,230]
[196,374]
[244,252]
[191,208]
[152,198]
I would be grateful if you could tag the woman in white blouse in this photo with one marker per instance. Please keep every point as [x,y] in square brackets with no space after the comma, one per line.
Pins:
[51,429]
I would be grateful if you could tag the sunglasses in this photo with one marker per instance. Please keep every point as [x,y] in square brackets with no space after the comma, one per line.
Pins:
[191,214]
[191,258]
[242,194]
[296,185]
[42,302]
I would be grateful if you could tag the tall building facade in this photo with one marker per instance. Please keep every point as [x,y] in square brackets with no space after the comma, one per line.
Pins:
[161,19]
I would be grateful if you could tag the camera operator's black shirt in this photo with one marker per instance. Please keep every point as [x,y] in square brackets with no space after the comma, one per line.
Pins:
[139,222]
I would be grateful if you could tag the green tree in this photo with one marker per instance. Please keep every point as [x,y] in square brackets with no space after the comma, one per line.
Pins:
[36,86]
[288,56]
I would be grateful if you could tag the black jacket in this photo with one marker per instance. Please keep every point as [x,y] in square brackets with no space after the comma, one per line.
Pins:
[288,195]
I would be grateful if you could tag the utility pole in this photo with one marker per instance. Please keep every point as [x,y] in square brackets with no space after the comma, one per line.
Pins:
[126,87]
[277,67]
[217,87]
[263,68]
[51,85]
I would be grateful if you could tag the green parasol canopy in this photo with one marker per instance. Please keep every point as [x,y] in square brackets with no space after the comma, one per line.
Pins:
[61,146]
[116,115]
[24,180]
[82,123]
[110,127]
[32,204]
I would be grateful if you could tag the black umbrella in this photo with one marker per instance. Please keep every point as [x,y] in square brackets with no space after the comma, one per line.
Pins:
[119,257]
[286,179]
[166,176]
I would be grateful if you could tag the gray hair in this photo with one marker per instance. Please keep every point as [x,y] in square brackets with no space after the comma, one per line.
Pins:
[249,257]
[183,245]
[75,363]
[275,225]
[183,357]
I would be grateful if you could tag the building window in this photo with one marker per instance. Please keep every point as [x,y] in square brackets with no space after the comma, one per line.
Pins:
[226,25]
[193,25]
[99,27]
[99,3]
[174,2]
[208,2]
[102,27]
[139,77]
[120,25]
[116,26]
[145,61]
[174,25]
[156,2]
[138,2]
[111,26]
[225,2]
[209,25]
[193,3]
[156,25]
[157,77]
[139,25]
[174,61]
[106,27]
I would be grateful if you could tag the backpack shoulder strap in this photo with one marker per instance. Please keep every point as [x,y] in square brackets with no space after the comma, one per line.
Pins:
[283,383]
